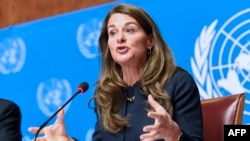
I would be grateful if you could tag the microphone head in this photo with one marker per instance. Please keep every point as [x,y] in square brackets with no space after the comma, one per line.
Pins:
[83,87]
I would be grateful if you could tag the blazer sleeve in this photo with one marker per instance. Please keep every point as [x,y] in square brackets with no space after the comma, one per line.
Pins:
[186,106]
[10,121]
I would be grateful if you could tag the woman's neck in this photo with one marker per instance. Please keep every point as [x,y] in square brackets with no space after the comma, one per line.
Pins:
[131,75]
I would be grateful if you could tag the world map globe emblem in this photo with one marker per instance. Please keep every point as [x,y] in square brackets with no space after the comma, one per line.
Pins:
[52,94]
[87,38]
[229,60]
[12,55]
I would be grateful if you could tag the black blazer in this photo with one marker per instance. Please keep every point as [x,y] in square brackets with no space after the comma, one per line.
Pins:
[10,121]
[185,97]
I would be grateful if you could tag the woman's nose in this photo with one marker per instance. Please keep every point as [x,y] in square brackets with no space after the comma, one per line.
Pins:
[121,38]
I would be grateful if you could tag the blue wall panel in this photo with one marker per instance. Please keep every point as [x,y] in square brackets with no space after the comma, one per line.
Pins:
[43,61]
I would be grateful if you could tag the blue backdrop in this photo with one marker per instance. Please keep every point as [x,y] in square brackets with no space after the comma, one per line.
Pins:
[43,61]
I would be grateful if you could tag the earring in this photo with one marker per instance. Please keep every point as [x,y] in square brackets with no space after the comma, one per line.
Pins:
[149,51]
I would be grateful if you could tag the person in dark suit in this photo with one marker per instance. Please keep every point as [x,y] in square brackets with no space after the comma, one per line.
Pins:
[10,121]
[141,94]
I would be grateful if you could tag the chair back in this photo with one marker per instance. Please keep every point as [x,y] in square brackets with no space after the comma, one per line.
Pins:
[221,111]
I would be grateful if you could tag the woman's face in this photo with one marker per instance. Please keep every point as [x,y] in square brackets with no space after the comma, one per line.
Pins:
[128,43]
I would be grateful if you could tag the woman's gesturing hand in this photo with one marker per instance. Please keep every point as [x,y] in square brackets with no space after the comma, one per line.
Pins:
[163,128]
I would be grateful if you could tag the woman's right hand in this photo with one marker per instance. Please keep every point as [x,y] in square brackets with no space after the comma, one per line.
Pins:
[54,132]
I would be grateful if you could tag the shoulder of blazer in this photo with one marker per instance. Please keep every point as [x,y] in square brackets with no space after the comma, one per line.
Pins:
[178,68]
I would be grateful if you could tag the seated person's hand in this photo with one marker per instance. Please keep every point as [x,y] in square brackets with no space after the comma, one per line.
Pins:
[54,132]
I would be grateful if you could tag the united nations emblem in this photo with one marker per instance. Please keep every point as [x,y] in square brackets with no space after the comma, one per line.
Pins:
[52,94]
[221,63]
[12,55]
[87,38]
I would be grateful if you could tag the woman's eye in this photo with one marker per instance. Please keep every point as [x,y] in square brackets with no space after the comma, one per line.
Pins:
[112,33]
[130,30]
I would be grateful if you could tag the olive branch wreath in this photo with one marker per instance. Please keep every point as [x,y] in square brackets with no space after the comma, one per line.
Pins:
[199,63]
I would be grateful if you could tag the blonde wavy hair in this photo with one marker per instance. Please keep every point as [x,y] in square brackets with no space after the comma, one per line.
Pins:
[109,92]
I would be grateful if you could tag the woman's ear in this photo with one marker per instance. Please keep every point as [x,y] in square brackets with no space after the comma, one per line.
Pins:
[150,42]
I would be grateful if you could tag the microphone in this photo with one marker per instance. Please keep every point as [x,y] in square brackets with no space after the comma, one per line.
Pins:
[83,87]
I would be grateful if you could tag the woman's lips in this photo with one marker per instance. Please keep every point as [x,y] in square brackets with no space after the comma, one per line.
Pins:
[122,49]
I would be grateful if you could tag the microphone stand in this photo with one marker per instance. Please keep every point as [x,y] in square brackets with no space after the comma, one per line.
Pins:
[47,121]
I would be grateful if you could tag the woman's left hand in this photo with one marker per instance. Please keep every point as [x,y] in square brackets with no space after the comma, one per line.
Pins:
[163,128]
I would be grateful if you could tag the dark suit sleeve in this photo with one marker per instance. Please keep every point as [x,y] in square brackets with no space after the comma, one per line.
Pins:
[186,106]
[10,121]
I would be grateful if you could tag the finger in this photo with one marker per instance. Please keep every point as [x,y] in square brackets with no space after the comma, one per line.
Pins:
[149,128]
[155,115]
[149,136]
[60,117]
[33,129]
[160,113]
[155,105]
[40,139]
